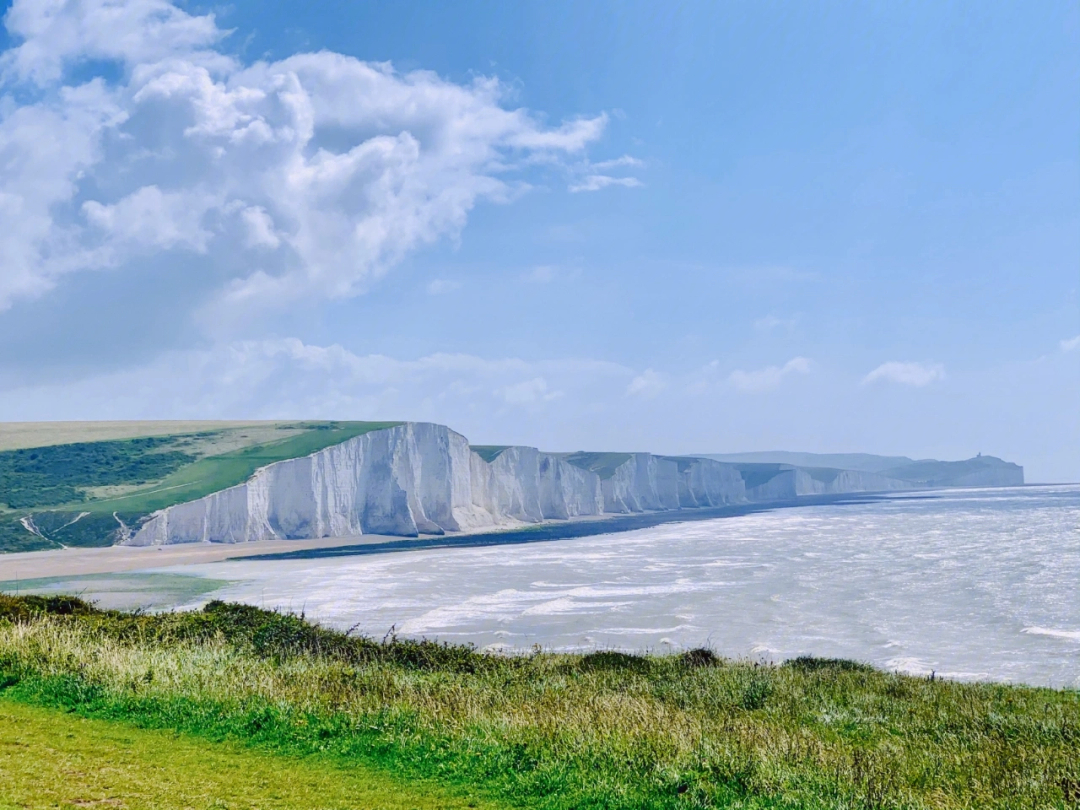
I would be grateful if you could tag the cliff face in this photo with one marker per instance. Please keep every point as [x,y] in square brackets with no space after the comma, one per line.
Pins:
[782,482]
[406,480]
[524,485]
[648,483]
[419,478]
[824,481]
[702,482]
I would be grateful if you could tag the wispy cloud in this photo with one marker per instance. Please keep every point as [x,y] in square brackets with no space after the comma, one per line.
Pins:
[647,384]
[917,375]
[617,163]
[287,377]
[1071,344]
[595,182]
[541,274]
[765,379]
[771,322]
[596,176]
[440,286]
[528,392]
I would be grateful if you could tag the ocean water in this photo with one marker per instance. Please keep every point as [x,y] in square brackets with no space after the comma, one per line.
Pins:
[971,584]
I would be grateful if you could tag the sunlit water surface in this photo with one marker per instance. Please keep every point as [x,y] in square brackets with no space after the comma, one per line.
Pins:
[970,584]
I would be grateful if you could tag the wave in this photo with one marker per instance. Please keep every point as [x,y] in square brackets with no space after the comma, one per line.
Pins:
[1071,635]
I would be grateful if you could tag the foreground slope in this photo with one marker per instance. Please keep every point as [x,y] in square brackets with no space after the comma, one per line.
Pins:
[555,731]
[52,758]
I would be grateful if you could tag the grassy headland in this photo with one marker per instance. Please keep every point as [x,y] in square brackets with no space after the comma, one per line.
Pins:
[77,494]
[604,730]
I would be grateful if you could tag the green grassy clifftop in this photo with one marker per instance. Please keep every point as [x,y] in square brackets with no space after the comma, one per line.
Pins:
[79,493]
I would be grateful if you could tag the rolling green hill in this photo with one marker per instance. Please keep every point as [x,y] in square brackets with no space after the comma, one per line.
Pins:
[80,493]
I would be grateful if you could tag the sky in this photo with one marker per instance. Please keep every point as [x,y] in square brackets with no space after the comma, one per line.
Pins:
[677,227]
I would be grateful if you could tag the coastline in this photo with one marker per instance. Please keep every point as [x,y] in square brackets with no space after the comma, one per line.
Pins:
[28,565]
[561,529]
[25,565]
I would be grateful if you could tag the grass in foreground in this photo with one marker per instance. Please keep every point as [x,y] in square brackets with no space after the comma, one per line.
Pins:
[50,759]
[605,730]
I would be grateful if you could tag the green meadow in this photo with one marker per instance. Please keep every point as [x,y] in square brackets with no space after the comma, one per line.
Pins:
[545,730]
[56,759]
[77,494]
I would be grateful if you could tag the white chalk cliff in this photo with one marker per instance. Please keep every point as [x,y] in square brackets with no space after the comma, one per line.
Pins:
[782,482]
[421,478]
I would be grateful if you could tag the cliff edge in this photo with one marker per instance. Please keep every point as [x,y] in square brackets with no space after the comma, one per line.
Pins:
[420,478]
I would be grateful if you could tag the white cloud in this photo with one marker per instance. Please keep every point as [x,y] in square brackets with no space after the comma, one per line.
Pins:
[770,377]
[260,228]
[150,218]
[439,286]
[914,374]
[528,392]
[771,322]
[320,169]
[59,32]
[595,182]
[1071,344]
[647,384]
[596,176]
[287,378]
[617,163]
[542,274]
[45,147]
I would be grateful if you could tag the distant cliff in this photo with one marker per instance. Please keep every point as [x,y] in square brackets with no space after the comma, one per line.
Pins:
[94,484]
[981,471]
[421,478]
[902,472]
[776,482]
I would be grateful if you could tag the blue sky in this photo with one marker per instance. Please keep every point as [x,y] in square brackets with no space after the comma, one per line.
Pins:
[694,227]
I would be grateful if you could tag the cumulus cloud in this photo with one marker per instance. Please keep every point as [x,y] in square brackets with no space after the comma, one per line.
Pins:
[151,218]
[647,384]
[917,375]
[318,172]
[1071,344]
[765,379]
[55,33]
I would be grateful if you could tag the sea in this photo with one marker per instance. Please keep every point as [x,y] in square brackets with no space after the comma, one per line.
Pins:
[974,584]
